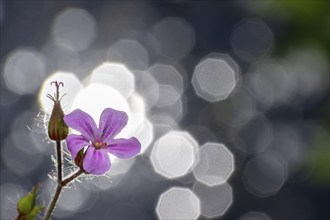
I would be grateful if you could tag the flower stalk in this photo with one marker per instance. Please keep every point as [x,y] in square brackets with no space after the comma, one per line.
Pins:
[58,190]
[59,161]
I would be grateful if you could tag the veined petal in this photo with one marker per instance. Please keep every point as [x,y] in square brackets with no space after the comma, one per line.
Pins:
[124,148]
[111,123]
[96,161]
[75,143]
[82,122]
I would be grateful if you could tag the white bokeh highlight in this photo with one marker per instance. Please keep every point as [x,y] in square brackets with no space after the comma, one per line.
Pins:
[215,164]
[71,87]
[174,154]
[215,78]
[74,28]
[129,52]
[116,76]
[24,71]
[215,200]
[178,203]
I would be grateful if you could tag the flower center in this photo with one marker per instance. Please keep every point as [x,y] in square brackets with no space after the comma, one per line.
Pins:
[99,145]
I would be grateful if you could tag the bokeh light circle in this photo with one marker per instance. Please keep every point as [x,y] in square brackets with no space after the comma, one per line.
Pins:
[174,154]
[74,28]
[24,71]
[215,164]
[215,200]
[215,78]
[178,203]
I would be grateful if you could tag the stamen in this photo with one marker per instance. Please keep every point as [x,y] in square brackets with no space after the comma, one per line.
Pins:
[99,145]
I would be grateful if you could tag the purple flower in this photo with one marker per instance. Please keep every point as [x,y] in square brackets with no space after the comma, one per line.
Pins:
[100,140]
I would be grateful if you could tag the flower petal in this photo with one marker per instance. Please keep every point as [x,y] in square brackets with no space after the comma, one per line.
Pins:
[82,122]
[111,123]
[124,148]
[96,161]
[75,143]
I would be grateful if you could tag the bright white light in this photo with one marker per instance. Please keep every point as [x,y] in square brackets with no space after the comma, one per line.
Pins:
[71,88]
[178,203]
[24,71]
[116,76]
[174,154]
[264,175]
[145,134]
[215,165]
[137,109]
[215,200]
[74,28]
[215,78]
[252,39]
[173,37]
[94,98]
[129,52]
[119,167]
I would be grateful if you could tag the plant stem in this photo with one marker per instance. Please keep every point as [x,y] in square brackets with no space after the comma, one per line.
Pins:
[53,202]
[57,193]
[59,161]
[72,177]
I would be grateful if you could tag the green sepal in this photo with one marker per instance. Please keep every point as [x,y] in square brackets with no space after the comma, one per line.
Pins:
[35,211]
[26,204]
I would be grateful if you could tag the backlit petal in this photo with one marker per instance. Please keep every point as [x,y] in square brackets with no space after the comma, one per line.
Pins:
[111,123]
[124,148]
[75,143]
[96,161]
[82,122]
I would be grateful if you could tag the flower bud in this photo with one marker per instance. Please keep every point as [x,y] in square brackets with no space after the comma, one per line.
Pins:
[26,206]
[80,158]
[57,129]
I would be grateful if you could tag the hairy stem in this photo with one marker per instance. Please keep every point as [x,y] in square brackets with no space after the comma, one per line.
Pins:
[57,193]
[59,161]
[53,202]
[72,177]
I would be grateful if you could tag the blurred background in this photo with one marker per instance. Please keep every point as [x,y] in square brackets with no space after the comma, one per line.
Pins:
[230,100]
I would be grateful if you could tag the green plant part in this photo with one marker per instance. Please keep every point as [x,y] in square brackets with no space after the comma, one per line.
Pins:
[26,206]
